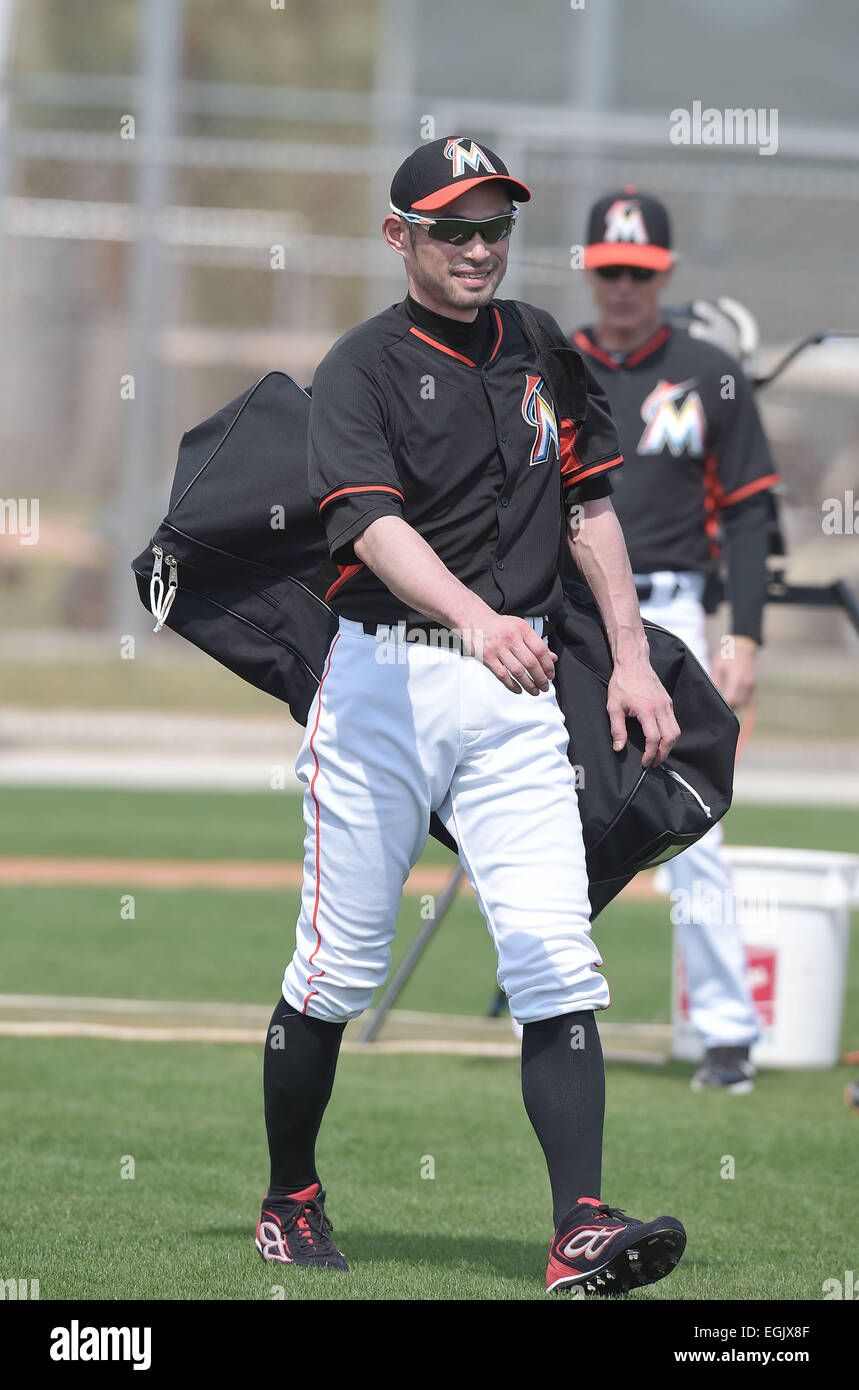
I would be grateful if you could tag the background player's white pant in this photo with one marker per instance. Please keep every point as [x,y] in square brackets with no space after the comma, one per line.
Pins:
[399,729]
[720,1005]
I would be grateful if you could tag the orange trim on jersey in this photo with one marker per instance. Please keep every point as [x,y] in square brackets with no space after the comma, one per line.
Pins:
[460,357]
[713,494]
[441,347]
[570,461]
[582,341]
[346,572]
[587,345]
[319,973]
[573,470]
[576,478]
[650,346]
[499,330]
[368,487]
[749,489]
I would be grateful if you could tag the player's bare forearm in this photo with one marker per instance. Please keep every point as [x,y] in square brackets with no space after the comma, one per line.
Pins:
[410,568]
[599,552]
[734,669]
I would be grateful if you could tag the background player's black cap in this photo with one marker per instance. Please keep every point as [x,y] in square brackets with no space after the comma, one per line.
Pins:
[629,228]
[437,172]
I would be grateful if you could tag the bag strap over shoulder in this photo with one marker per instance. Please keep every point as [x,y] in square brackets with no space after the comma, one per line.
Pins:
[561,364]
[533,327]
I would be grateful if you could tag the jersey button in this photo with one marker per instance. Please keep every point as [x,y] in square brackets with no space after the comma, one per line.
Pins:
[503,438]
[505,501]
[499,564]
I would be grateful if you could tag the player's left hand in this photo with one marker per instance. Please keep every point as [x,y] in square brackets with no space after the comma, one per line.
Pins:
[736,675]
[636,692]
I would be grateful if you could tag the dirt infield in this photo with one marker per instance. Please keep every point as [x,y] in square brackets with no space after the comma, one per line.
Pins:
[124,1020]
[405,1031]
[212,873]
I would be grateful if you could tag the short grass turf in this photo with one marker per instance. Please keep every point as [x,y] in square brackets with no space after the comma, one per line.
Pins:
[201,944]
[75,1113]
[113,823]
[190,1115]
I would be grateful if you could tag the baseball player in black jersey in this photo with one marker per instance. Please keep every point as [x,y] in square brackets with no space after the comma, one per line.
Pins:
[441,466]
[696,472]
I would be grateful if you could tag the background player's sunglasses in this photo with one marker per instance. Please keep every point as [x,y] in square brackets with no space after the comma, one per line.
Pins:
[459,230]
[614,272]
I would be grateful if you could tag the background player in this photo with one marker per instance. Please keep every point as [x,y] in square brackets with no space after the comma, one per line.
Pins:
[696,471]
[435,459]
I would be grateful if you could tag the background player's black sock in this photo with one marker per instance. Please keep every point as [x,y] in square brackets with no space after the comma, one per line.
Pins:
[298,1077]
[563,1086]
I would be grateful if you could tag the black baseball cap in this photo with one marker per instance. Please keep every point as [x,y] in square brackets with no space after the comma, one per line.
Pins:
[629,228]
[439,171]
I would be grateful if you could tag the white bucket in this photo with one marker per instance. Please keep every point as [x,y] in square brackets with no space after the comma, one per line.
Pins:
[793,906]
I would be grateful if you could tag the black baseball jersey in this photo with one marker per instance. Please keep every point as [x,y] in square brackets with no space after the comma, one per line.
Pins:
[692,443]
[452,427]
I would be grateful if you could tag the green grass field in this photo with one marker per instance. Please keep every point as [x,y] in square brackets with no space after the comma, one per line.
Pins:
[190,1116]
[796,701]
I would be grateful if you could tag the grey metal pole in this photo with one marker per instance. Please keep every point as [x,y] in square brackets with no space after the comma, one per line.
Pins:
[155,124]
[393,83]
[8,22]
[412,956]
[593,49]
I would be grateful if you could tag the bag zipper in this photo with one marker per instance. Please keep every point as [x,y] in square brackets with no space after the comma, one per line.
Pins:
[160,602]
[228,554]
[691,790]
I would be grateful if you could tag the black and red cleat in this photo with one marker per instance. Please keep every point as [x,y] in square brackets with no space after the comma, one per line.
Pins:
[294,1230]
[600,1250]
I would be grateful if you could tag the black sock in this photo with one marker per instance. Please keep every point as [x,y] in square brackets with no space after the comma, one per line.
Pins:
[563,1086]
[298,1077]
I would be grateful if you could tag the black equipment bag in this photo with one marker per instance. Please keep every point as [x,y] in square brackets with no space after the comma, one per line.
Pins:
[240,567]
[634,818]
[243,564]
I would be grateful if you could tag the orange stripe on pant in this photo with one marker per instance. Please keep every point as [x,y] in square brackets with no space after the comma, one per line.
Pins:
[319,973]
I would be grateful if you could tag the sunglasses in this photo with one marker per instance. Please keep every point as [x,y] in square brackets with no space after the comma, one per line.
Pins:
[614,272]
[459,230]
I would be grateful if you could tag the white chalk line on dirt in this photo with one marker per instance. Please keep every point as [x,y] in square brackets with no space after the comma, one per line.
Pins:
[187,1025]
[436,1047]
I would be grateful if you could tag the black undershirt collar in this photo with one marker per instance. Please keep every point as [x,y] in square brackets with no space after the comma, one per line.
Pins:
[474,339]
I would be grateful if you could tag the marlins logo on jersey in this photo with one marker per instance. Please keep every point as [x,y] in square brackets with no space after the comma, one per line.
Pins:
[683,429]
[464,155]
[624,222]
[538,410]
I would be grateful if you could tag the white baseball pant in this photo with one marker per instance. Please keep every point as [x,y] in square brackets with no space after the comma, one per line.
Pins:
[398,729]
[707,915]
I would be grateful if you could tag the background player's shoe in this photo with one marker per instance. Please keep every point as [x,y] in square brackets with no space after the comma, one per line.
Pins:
[294,1230]
[725,1069]
[599,1249]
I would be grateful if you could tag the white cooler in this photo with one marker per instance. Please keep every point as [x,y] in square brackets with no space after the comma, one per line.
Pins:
[794,908]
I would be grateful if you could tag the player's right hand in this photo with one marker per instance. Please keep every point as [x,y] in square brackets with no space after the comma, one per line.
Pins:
[512,651]
[636,691]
